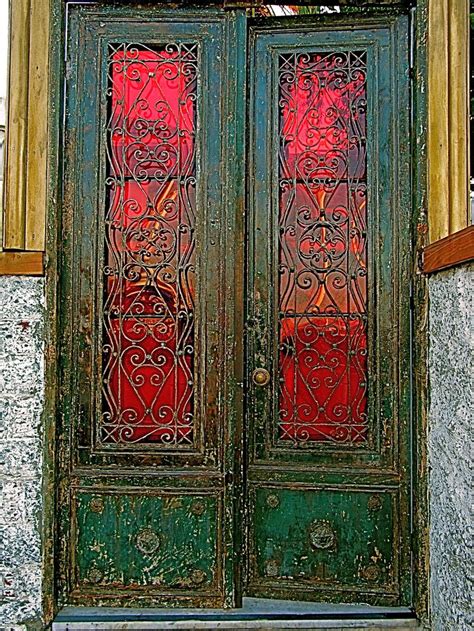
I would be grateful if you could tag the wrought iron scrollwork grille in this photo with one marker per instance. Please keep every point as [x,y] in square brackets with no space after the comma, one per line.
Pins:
[322,248]
[149,263]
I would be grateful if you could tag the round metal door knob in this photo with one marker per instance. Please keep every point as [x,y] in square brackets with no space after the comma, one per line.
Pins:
[260,377]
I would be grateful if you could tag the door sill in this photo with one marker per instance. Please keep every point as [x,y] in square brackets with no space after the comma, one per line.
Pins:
[256,613]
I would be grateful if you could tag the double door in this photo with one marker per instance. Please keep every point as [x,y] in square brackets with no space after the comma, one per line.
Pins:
[234,410]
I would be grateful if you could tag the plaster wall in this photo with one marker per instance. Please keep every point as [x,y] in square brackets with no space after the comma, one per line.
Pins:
[21,400]
[451,373]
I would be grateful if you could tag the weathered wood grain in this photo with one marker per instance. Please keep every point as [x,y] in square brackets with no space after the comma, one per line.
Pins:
[16,142]
[21,264]
[447,117]
[36,181]
[453,250]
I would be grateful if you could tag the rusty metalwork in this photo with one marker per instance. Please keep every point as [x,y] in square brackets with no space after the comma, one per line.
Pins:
[374,503]
[149,267]
[323,247]
[96,505]
[322,535]
[272,568]
[198,508]
[94,575]
[273,501]
[148,541]
[370,573]
[198,577]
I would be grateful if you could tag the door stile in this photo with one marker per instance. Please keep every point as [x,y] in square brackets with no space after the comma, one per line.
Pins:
[404,134]
[234,269]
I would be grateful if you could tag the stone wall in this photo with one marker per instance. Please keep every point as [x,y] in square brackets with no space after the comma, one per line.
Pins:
[450,447]
[21,397]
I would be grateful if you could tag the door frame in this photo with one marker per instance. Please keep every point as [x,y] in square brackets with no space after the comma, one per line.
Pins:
[57,69]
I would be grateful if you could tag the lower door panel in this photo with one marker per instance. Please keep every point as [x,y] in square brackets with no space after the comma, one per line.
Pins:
[149,544]
[337,544]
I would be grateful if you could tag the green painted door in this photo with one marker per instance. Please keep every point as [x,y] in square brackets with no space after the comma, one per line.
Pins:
[182,154]
[147,408]
[328,312]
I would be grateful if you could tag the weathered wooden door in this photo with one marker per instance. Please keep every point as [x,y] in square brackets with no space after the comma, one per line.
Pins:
[328,312]
[172,493]
[147,406]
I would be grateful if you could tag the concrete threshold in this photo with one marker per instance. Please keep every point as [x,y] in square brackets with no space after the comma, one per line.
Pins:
[256,613]
[373,625]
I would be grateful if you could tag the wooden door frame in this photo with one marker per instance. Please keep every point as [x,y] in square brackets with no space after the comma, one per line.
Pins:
[419,296]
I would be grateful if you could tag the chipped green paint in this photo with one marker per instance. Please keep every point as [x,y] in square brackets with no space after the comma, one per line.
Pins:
[338,540]
[142,542]
[382,466]
[176,504]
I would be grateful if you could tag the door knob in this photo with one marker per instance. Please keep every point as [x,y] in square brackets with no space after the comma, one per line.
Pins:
[260,377]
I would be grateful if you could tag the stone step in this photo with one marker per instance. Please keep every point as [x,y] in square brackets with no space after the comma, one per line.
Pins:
[333,625]
[255,613]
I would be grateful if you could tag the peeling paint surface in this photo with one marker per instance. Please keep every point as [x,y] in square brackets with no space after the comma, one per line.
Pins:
[21,400]
[450,447]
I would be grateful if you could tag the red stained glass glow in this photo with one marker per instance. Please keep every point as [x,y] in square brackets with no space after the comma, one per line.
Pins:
[149,263]
[322,248]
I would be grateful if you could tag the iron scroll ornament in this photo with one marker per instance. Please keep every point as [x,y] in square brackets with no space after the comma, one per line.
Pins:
[149,264]
[322,248]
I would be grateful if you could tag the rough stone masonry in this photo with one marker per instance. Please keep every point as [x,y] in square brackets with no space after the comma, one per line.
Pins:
[21,400]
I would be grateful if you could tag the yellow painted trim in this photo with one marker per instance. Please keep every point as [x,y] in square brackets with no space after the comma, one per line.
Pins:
[459,114]
[448,117]
[36,181]
[25,183]
[16,127]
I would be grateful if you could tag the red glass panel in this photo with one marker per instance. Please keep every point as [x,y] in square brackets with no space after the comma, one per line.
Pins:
[149,273]
[323,248]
